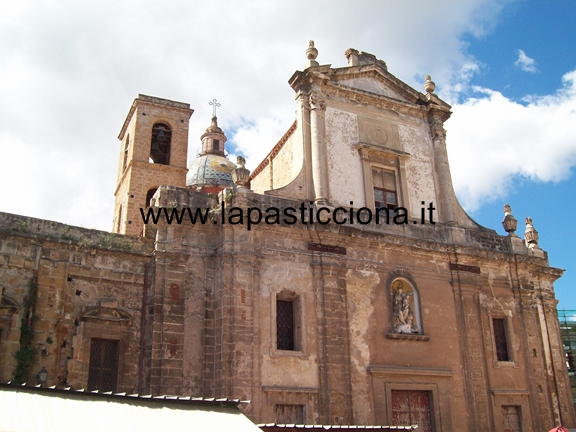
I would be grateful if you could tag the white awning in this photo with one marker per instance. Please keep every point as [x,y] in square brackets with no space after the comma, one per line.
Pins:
[33,409]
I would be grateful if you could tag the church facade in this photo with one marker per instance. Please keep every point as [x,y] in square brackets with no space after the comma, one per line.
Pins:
[338,283]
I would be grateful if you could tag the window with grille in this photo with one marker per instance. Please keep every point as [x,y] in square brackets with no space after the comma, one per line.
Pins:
[216,145]
[500,340]
[103,371]
[511,418]
[290,414]
[285,339]
[412,407]
[384,188]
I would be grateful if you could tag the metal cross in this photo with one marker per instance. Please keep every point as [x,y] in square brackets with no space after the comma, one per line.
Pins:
[215,104]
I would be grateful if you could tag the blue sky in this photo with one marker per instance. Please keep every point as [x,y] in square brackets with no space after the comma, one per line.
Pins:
[70,70]
[546,33]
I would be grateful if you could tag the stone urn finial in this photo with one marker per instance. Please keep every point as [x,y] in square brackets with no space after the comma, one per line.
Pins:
[352,56]
[311,54]
[429,85]
[241,175]
[509,223]
[530,235]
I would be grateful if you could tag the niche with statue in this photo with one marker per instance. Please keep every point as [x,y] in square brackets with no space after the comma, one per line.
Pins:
[405,307]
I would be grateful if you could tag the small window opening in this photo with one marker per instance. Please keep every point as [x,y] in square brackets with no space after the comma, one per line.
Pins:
[385,195]
[149,196]
[160,146]
[126,147]
[216,145]
[500,340]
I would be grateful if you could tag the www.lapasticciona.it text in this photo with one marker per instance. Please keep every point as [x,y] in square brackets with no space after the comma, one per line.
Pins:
[304,214]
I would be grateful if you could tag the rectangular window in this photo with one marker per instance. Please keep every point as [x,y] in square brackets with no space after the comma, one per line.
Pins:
[384,188]
[412,407]
[216,145]
[103,371]
[500,340]
[285,325]
[511,418]
[290,414]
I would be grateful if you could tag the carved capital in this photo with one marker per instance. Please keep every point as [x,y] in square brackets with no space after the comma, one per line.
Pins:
[317,102]
[437,131]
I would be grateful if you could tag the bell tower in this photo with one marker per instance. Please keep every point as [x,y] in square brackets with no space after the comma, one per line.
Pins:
[153,152]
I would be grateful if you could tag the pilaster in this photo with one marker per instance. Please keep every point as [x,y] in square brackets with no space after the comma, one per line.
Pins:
[447,198]
[318,148]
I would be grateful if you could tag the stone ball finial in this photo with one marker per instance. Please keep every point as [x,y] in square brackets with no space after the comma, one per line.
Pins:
[509,223]
[311,54]
[429,85]
[240,161]
[530,235]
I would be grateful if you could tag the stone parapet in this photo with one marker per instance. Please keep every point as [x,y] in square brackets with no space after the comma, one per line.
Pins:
[56,231]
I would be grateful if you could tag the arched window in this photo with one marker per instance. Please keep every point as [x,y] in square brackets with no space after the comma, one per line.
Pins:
[160,145]
[126,146]
[405,306]
[149,196]
[119,220]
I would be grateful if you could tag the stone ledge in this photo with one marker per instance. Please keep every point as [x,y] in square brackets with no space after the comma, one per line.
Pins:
[407,336]
[290,389]
[378,370]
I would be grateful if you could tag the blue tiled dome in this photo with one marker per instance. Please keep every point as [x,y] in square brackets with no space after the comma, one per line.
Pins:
[210,170]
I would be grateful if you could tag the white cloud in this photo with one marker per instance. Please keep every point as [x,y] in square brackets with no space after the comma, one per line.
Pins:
[492,139]
[525,63]
[70,70]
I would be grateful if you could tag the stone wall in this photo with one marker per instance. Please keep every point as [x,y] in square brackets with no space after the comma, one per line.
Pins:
[84,278]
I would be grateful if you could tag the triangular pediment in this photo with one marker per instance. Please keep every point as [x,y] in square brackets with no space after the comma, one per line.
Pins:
[375,79]
[373,85]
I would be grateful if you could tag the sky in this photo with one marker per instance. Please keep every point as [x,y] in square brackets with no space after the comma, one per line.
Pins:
[70,70]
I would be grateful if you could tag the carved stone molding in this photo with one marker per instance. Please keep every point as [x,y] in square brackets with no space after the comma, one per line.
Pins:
[408,336]
[107,313]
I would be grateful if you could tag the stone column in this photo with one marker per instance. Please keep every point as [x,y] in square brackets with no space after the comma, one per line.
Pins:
[446,196]
[319,153]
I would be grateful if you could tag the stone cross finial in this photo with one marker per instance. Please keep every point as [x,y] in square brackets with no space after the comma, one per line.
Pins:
[215,105]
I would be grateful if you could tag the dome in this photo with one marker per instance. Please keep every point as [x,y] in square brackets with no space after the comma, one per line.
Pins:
[210,170]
